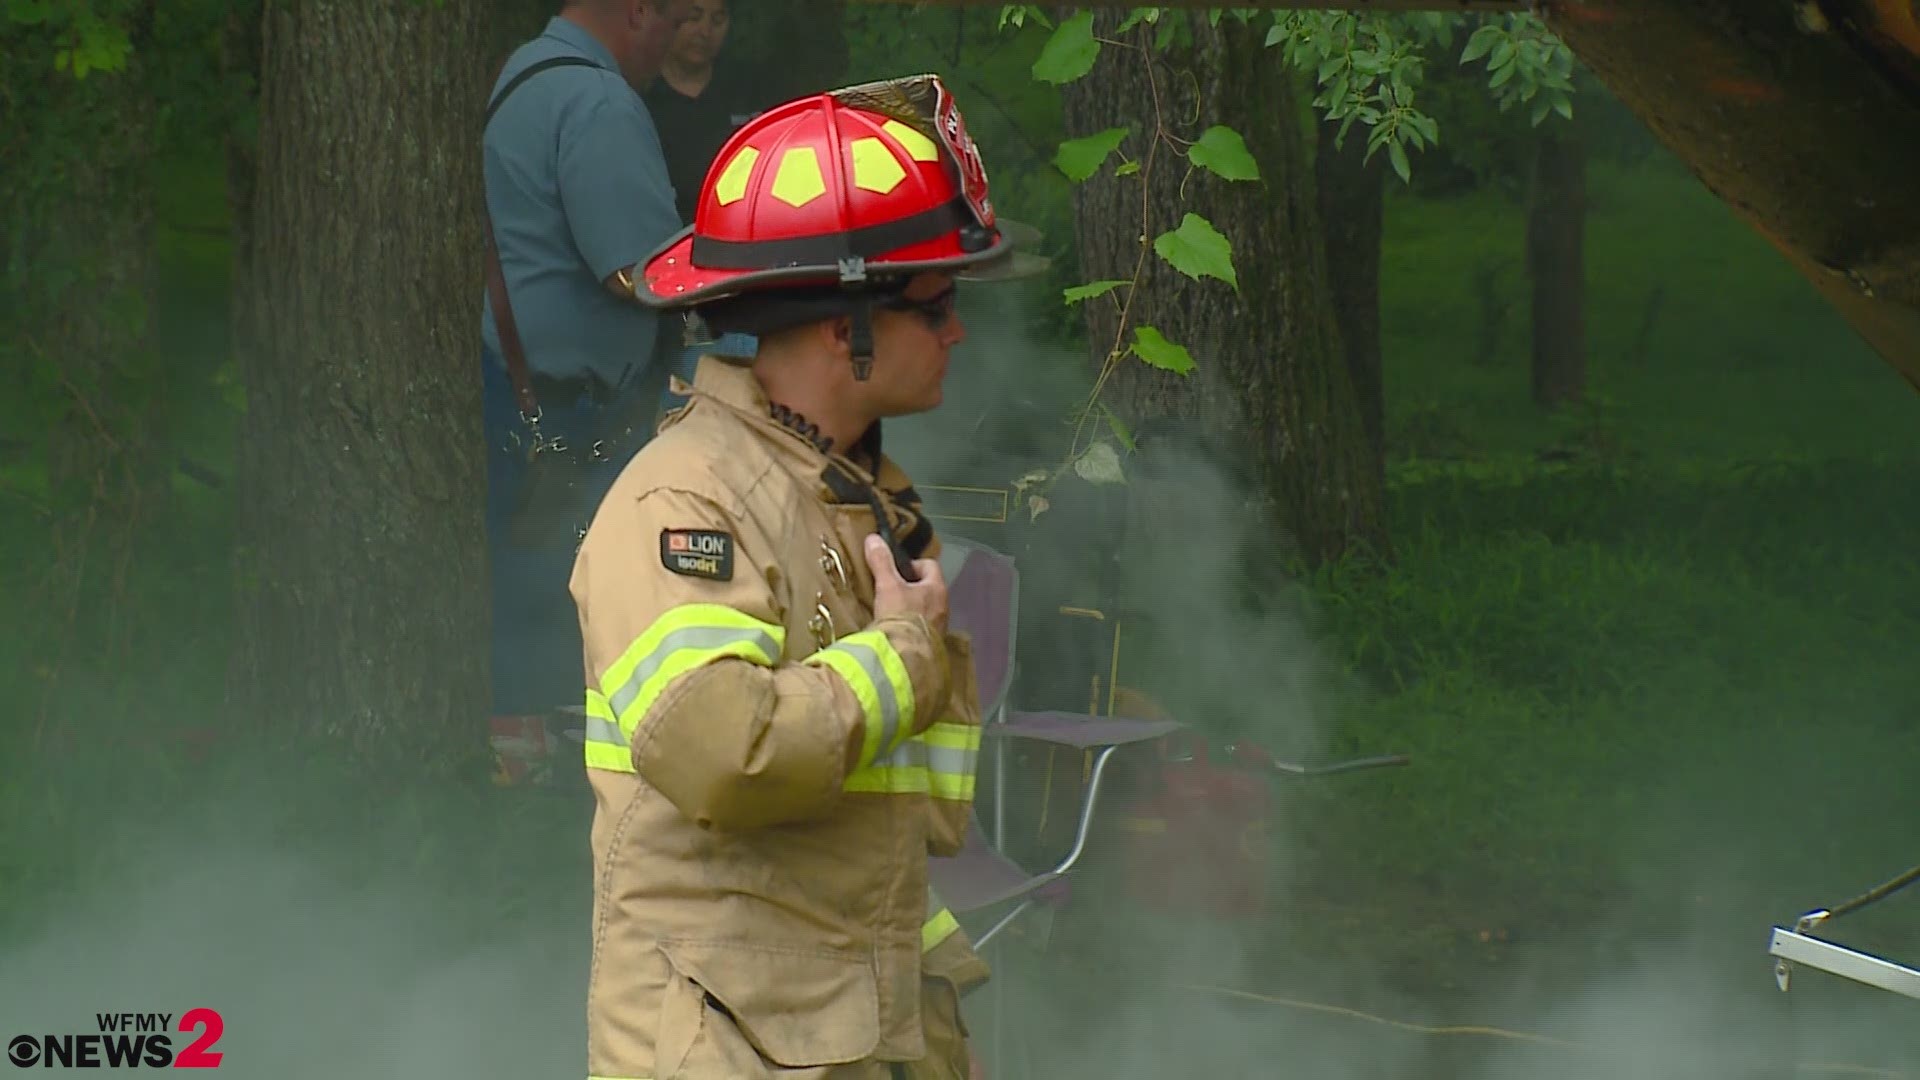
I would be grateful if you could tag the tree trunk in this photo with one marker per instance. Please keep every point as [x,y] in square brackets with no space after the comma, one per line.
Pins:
[240,47]
[1352,191]
[1556,264]
[79,260]
[76,327]
[1270,373]
[360,474]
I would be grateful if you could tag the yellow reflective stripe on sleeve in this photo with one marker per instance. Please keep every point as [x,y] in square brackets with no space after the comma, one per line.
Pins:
[937,929]
[606,746]
[876,674]
[940,761]
[889,780]
[902,772]
[680,640]
[953,758]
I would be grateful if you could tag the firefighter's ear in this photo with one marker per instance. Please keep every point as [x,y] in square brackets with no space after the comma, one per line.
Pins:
[839,334]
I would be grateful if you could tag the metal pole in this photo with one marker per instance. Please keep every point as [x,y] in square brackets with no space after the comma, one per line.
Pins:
[1793,947]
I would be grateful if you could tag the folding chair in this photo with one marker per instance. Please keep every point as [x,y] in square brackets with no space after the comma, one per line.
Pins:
[983,588]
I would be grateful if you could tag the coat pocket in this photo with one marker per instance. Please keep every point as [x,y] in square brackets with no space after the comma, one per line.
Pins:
[796,1007]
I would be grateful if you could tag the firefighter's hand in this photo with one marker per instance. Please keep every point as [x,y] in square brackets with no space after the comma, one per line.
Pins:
[895,595]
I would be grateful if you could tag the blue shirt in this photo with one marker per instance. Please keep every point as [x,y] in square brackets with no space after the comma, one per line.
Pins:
[577,186]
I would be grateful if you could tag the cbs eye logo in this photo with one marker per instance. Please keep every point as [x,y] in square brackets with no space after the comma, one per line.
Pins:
[23,1051]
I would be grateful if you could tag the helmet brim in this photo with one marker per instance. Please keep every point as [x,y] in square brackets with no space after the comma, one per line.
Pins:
[1019,256]
[669,279]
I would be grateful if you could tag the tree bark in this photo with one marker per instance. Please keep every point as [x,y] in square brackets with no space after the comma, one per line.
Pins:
[1352,196]
[1270,373]
[360,473]
[1557,267]
[240,46]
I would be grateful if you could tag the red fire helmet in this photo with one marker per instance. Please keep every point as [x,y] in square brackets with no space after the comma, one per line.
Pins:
[877,181]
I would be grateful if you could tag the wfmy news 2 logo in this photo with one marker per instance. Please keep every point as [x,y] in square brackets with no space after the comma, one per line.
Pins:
[127,1041]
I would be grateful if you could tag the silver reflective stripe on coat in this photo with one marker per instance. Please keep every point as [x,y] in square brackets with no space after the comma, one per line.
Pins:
[704,638]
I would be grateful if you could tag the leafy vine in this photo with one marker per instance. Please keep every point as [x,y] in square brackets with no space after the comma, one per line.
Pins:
[1367,67]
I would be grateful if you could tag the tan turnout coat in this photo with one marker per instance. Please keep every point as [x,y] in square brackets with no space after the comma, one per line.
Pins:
[759,910]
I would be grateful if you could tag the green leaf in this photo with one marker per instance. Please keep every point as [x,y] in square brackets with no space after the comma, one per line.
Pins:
[1126,168]
[1153,347]
[1092,289]
[1081,158]
[1338,92]
[1222,151]
[1100,464]
[1397,154]
[1563,106]
[1069,52]
[1119,428]
[1275,35]
[1197,250]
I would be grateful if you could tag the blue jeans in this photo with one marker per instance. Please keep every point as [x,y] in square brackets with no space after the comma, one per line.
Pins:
[537,653]
[742,346]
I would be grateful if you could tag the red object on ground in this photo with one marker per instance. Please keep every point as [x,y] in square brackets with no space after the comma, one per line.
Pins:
[521,750]
[1199,844]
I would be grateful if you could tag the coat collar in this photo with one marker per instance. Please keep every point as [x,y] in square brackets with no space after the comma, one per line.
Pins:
[842,478]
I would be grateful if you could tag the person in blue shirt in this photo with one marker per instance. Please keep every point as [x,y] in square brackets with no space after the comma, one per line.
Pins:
[577,194]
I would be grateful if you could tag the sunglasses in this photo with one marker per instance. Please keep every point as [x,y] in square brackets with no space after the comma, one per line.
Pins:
[935,310]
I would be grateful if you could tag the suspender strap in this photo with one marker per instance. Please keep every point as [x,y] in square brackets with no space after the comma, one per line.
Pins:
[503,320]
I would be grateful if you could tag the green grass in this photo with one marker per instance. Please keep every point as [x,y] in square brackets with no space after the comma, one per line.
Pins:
[1668,680]
[1569,654]
[1742,360]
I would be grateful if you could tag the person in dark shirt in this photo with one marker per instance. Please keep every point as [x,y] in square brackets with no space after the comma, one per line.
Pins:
[698,103]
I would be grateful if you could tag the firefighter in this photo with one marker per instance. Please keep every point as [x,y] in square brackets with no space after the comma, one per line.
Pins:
[780,728]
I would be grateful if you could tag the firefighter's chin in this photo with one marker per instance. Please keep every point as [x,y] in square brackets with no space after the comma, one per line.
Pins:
[936,389]
[911,401]
[910,393]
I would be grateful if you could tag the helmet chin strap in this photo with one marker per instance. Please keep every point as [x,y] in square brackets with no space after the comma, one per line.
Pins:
[862,343]
[853,277]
